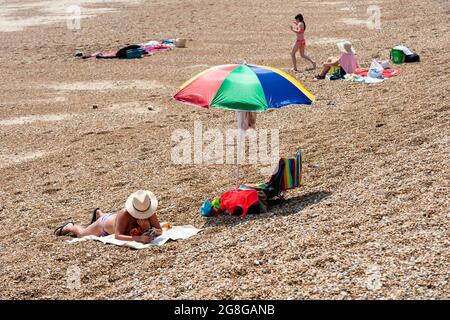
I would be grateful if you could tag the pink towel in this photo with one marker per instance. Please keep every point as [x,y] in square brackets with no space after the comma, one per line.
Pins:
[386,73]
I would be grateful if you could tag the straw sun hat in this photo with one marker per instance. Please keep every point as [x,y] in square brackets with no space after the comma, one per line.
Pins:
[141,204]
[345,47]
[332,60]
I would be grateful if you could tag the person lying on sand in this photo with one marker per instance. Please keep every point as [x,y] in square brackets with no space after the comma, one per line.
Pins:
[347,61]
[299,27]
[136,222]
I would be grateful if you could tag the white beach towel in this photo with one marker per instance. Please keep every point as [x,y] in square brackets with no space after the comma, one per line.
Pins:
[357,78]
[174,233]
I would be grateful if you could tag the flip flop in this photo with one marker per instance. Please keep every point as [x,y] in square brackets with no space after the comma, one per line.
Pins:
[94,215]
[319,77]
[58,231]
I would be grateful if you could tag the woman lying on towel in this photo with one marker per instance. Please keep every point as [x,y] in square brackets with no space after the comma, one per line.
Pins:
[346,62]
[136,222]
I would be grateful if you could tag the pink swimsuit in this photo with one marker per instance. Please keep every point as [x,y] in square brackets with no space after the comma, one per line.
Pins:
[301,42]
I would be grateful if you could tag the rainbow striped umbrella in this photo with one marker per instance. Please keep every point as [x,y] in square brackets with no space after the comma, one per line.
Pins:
[243,87]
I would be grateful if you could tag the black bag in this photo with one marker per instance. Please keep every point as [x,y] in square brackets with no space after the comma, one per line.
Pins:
[412,58]
[122,53]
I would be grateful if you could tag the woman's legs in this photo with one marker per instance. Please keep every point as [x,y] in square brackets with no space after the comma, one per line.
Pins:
[293,53]
[99,213]
[325,70]
[304,56]
[94,229]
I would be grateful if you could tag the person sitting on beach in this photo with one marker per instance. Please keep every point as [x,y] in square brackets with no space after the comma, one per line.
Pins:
[136,222]
[299,27]
[347,62]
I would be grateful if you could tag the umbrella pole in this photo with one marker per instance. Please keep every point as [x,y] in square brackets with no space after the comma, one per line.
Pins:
[238,154]
[237,176]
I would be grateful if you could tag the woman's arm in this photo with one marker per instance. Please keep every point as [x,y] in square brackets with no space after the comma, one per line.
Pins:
[154,223]
[298,28]
[143,239]
[122,222]
[331,62]
[294,29]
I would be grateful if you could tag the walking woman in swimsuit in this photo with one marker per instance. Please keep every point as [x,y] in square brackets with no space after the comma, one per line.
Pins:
[136,222]
[299,27]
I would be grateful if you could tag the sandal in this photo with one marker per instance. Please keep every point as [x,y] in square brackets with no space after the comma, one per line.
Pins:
[94,215]
[59,231]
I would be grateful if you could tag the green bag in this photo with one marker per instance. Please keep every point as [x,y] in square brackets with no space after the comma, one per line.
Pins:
[397,56]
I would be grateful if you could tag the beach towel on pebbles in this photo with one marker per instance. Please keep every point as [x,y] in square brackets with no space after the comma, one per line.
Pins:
[149,47]
[174,233]
[357,78]
[387,73]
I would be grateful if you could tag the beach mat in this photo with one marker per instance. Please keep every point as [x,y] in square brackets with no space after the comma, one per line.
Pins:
[174,233]
[158,48]
[148,48]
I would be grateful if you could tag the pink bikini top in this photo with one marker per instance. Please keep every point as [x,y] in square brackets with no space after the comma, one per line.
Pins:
[300,29]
